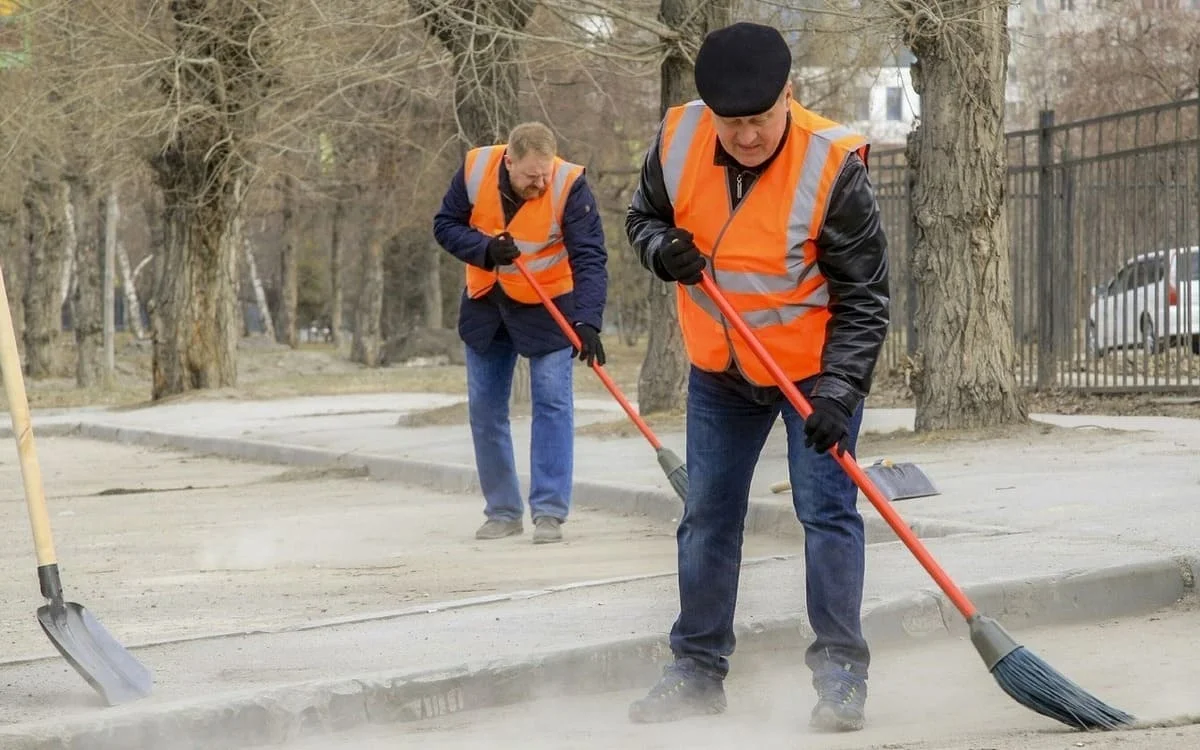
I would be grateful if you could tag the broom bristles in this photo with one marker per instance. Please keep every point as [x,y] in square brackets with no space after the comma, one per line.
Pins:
[1036,685]
[679,482]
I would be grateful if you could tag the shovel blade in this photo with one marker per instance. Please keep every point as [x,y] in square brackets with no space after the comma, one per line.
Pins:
[94,653]
[900,481]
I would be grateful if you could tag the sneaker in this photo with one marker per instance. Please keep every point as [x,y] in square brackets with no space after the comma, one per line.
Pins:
[841,700]
[494,528]
[682,691]
[546,529]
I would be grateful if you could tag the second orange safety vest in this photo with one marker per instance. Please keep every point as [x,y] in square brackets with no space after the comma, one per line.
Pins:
[536,228]
[763,254]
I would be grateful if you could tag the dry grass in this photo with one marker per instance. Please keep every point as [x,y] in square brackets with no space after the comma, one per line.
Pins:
[267,370]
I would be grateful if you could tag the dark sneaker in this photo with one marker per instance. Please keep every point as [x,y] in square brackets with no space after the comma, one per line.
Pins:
[495,528]
[546,529]
[841,700]
[682,691]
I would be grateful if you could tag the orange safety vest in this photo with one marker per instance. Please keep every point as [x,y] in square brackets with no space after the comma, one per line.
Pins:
[536,228]
[763,256]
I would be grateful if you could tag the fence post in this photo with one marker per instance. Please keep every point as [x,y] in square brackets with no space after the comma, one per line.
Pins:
[1047,363]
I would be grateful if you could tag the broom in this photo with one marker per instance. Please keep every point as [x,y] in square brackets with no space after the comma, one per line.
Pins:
[671,464]
[1022,674]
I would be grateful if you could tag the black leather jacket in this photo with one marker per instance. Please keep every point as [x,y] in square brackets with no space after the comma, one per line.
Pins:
[852,255]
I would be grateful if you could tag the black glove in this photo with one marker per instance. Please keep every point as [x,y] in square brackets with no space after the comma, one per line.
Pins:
[680,258]
[826,426]
[592,350]
[501,249]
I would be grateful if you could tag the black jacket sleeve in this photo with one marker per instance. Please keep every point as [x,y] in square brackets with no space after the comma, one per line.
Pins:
[650,213]
[852,255]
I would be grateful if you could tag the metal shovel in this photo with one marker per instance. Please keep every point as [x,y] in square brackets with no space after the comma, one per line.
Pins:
[900,481]
[105,664]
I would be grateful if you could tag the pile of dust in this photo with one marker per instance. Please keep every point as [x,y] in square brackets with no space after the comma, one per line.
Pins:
[451,414]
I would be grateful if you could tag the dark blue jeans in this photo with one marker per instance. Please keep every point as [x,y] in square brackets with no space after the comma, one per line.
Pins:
[728,421]
[551,449]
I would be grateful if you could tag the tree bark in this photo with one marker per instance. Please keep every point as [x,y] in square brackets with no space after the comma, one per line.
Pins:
[662,382]
[44,227]
[87,300]
[964,309]
[260,296]
[219,72]
[337,290]
[289,277]
[111,212]
[368,341]
[133,307]
[486,82]
[431,292]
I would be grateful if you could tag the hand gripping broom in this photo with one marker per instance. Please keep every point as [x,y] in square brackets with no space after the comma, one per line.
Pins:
[1023,675]
[672,465]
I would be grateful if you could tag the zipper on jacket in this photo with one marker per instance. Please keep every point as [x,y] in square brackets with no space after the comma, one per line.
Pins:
[717,243]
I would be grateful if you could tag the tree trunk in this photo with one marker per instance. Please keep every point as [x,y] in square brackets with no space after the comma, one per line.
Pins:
[335,273]
[431,292]
[260,296]
[44,239]
[486,82]
[219,70]
[286,324]
[958,155]
[194,316]
[133,307]
[368,341]
[87,300]
[112,215]
[662,382]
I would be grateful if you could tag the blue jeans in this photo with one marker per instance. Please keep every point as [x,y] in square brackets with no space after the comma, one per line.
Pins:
[728,421]
[551,450]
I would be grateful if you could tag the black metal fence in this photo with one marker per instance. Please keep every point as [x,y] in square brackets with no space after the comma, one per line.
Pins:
[1104,239]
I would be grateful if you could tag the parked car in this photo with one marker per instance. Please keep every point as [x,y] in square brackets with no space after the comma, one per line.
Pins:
[1151,302]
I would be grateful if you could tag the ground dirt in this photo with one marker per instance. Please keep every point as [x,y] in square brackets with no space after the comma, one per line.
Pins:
[936,696]
[161,545]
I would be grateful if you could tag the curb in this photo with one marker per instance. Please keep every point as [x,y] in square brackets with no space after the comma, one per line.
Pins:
[288,712]
[661,505]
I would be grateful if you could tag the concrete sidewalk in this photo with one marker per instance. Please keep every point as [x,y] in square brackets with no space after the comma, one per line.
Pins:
[1093,519]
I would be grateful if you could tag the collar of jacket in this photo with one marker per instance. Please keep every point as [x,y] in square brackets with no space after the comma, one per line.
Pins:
[722,158]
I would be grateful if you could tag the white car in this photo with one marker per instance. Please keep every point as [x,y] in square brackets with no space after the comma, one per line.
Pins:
[1153,301]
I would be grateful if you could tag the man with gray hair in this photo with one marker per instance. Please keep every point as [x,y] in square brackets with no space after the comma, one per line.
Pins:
[510,200]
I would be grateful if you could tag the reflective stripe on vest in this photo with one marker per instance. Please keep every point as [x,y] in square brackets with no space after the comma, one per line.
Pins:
[762,258]
[536,228]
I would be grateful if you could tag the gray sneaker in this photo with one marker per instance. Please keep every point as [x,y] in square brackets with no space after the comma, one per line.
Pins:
[546,530]
[495,528]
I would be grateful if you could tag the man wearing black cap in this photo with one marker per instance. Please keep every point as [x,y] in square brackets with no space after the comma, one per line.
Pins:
[775,201]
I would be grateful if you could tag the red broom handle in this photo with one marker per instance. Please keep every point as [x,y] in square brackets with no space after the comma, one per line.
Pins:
[847,461]
[575,342]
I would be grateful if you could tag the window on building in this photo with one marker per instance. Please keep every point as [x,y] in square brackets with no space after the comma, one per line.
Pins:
[1066,4]
[895,103]
[862,104]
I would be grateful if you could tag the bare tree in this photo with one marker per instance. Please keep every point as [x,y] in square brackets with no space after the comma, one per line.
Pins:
[957,154]
[663,378]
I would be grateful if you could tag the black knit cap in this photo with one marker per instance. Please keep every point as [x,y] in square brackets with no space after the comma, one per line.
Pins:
[742,68]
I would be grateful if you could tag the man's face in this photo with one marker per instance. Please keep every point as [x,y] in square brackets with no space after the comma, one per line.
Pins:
[751,140]
[529,175]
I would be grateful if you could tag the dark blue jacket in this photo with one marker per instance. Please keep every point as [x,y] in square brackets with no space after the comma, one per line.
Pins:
[530,327]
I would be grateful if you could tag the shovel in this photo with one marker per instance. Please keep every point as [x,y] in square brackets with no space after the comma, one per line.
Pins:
[901,481]
[105,664]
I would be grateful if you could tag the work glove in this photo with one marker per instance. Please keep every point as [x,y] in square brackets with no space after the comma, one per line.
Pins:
[680,258]
[501,250]
[591,350]
[827,426]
